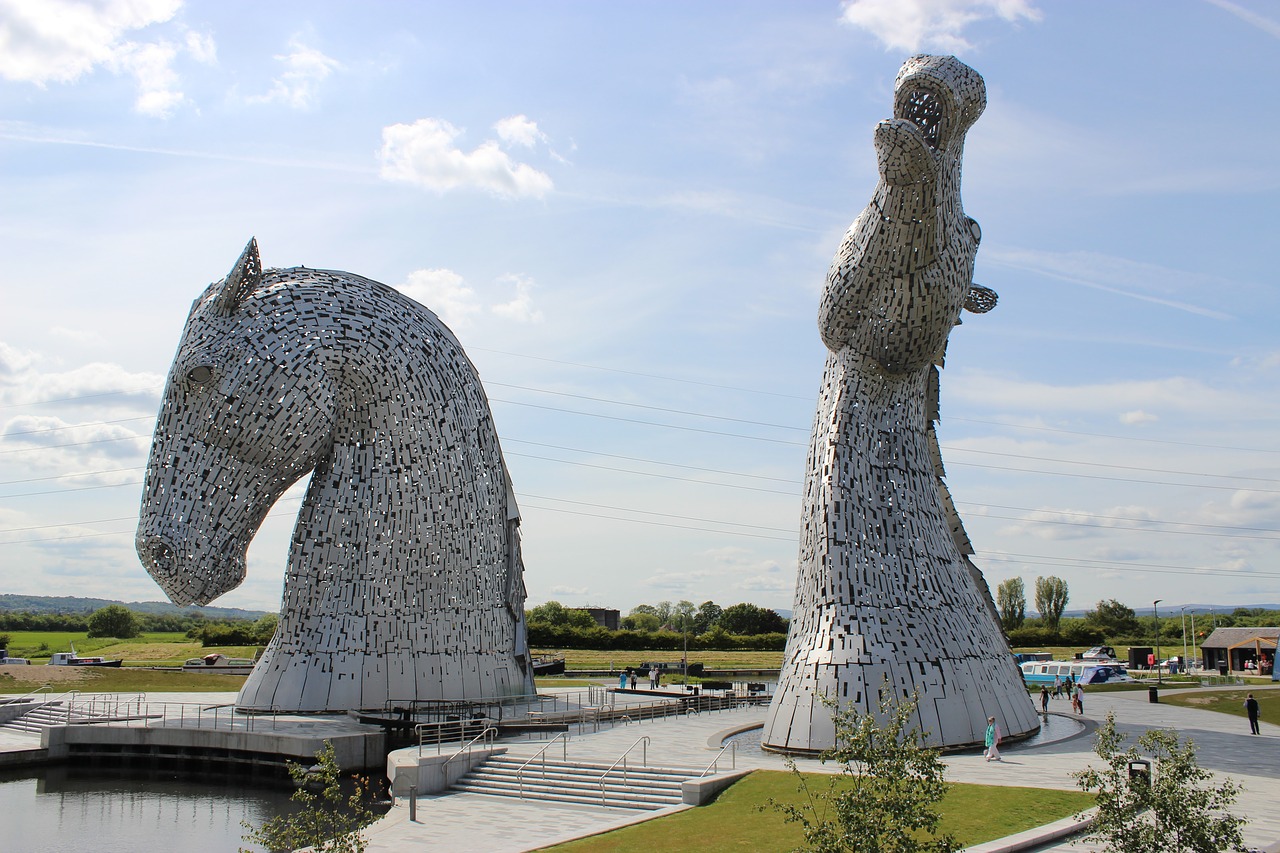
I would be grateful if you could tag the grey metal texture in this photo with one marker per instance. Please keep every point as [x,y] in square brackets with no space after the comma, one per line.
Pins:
[404,578]
[885,592]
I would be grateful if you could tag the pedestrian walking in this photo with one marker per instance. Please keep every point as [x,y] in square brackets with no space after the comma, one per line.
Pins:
[1044,699]
[1077,699]
[1057,687]
[993,740]
[1251,708]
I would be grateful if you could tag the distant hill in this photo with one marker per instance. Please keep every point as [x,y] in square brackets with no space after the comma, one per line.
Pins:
[73,604]
[1175,610]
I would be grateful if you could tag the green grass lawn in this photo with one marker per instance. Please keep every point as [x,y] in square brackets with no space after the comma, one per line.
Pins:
[127,679]
[735,821]
[150,649]
[596,659]
[1232,702]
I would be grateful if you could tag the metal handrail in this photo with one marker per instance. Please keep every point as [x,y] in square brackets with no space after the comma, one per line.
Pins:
[732,746]
[563,737]
[491,732]
[441,725]
[622,759]
[43,689]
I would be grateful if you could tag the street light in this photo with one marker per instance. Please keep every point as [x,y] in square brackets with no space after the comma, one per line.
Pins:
[1194,653]
[1156,612]
[1184,636]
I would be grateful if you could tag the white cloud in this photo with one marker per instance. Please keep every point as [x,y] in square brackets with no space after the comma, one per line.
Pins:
[445,293]
[912,25]
[152,66]
[424,154]
[1138,417]
[59,41]
[519,130]
[305,69]
[520,308]
[202,48]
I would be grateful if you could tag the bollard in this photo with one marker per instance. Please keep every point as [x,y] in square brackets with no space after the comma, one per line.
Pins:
[413,803]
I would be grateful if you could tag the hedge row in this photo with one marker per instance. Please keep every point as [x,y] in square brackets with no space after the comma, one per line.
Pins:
[543,635]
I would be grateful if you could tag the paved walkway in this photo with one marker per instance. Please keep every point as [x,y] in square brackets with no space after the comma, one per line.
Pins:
[468,822]
[463,823]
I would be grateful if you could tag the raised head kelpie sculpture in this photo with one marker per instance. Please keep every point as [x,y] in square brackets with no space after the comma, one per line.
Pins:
[404,577]
[886,597]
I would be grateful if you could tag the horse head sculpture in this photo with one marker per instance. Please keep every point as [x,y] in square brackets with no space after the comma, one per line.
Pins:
[404,578]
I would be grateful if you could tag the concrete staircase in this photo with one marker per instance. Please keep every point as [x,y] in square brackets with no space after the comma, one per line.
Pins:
[645,788]
[45,715]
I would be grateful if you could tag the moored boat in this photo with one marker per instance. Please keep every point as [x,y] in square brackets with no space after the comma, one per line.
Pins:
[220,664]
[72,659]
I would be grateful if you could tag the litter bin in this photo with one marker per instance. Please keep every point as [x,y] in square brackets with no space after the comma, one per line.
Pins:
[1222,667]
[1140,771]
[1153,695]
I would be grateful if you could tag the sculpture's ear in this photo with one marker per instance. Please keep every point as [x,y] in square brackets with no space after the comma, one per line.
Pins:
[243,279]
[980,299]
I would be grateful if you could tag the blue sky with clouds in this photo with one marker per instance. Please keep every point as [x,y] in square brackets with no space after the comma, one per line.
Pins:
[625,212]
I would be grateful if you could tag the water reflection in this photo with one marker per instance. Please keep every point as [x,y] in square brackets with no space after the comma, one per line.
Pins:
[61,809]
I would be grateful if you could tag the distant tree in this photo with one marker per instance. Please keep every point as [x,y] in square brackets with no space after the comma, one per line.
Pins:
[640,622]
[682,616]
[1051,600]
[644,608]
[1179,808]
[1113,619]
[5,639]
[114,620]
[663,612]
[707,617]
[265,628]
[555,613]
[751,619]
[892,784]
[1011,598]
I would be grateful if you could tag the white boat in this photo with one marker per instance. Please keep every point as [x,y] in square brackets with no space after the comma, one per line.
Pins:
[72,659]
[219,664]
[1080,672]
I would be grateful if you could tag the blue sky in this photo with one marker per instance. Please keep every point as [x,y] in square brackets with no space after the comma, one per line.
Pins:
[625,212]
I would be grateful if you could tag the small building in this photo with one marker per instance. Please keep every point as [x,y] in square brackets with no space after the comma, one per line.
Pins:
[605,617]
[1251,650]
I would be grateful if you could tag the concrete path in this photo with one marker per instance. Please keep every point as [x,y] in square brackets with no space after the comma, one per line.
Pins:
[460,823]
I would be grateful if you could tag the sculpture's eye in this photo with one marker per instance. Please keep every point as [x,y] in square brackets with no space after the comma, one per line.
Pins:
[200,375]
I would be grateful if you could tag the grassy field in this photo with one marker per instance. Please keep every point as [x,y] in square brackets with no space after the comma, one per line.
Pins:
[153,649]
[128,679]
[735,821]
[1232,702]
[592,659]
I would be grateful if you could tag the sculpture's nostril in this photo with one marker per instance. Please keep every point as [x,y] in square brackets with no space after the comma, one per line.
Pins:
[159,553]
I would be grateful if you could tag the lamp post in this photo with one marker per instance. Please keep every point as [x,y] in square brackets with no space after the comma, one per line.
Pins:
[1184,637]
[1195,656]
[1156,613]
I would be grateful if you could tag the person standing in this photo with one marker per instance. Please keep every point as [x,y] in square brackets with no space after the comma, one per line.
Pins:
[622,678]
[1044,699]
[993,740]
[1057,687]
[1251,708]
[1077,698]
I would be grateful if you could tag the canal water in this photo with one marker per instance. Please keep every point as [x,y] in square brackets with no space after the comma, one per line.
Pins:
[62,810]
